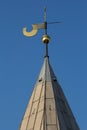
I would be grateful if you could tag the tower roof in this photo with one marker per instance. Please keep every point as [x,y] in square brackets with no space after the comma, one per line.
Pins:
[48,108]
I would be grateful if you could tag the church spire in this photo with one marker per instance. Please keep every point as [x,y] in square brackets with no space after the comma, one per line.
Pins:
[48,108]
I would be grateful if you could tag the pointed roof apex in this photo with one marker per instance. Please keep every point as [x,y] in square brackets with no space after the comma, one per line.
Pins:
[46,73]
[48,108]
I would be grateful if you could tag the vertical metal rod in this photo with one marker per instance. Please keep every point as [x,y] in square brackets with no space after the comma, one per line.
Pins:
[45,23]
[44,14]
[46,48]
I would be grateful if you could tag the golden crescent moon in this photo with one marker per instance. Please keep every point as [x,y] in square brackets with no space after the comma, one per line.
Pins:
[32,33]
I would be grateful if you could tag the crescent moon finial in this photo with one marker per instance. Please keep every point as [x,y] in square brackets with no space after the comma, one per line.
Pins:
[32,33]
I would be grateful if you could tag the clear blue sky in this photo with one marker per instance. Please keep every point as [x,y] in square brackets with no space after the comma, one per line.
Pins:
[21,58]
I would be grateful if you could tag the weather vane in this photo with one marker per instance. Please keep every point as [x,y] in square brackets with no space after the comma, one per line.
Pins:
[36,27]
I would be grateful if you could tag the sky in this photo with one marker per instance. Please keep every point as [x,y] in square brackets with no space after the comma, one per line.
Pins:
[21,58]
